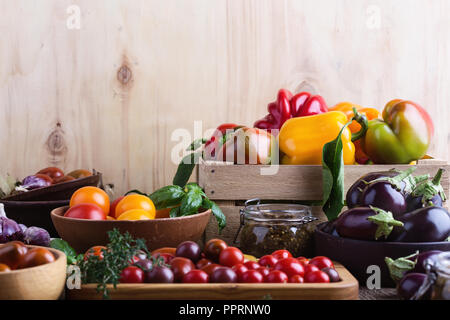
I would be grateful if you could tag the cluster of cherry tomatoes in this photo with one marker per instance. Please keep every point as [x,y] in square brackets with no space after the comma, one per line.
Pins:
[220,263]
[15,255]
[94,204]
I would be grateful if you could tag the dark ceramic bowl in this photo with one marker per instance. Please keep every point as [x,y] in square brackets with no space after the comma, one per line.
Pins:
[83,234]
[34,213]
[358,255]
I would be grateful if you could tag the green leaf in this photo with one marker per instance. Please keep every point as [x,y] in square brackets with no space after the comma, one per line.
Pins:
[174,212]
[218,214]
[192,186]
[385,222]
[196,144]
[167,197]
[191,202]
[185,168]
[398,267]
[428,189]
[61,245]
[333,176]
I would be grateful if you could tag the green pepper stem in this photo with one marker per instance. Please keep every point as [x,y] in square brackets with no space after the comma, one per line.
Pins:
[362,120]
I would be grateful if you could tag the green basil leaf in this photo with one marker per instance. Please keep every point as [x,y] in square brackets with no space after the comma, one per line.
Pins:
[192,186]
[333,177]
[168,196]
[218,214]
[61,245]
[191,203]
[174,212]
[185,168]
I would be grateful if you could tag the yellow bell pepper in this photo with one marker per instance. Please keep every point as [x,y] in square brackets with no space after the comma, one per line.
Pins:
[302,139]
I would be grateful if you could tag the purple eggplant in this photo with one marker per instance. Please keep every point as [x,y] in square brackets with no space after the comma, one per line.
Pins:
[430,224]
[385,196]
[410,284]
[366,223]
[354,192]
[36,182]
[427,193]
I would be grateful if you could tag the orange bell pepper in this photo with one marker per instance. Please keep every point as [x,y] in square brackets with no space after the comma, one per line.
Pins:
[370,113]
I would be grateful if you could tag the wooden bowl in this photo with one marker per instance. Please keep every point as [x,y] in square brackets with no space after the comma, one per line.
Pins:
[358,255]
[34,213]
[45,282]
[82,234]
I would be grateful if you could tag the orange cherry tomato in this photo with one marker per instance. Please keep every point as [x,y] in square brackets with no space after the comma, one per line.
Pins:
[4,268]
[165,250]
[110,218]
[95,251]
[136,214]
[163,213]
[135,201]
[92,195]
[36,257]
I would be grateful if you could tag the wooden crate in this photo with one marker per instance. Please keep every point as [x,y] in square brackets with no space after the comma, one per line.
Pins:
[347,289]
[230,185]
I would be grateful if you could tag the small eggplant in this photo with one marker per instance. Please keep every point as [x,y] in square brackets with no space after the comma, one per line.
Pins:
[414,263]
[385,196]
[430,224]
[410,284]
[427,193]
[36,181]
[354,192]
[366,223]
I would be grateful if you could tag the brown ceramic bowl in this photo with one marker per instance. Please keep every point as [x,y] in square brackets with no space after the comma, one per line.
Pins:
[358,255]
[165,232]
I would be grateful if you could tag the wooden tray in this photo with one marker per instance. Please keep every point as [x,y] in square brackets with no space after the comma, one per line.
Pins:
[60,191]
[347,289]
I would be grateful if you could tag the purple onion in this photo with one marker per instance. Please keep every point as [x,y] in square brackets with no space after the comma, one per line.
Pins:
[9,230]
[34,182]
[37,236]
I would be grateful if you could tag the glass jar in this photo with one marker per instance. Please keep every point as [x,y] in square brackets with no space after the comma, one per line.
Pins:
[265,228]
[438,278]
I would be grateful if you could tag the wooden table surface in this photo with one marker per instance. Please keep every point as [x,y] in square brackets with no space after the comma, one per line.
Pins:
[377,294]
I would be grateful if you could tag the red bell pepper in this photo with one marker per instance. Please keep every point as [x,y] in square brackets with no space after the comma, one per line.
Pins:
[289,106]
[218,138]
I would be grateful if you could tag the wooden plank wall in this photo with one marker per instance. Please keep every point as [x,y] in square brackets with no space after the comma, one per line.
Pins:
[109,94]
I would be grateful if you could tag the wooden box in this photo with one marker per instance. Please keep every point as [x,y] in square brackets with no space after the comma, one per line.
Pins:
[231,185]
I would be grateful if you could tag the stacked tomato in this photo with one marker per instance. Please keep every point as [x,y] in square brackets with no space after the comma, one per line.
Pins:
[94,204]
[220,263]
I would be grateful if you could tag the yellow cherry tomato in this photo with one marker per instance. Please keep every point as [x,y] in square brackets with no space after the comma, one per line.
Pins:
[92,195]
[137,214]
[110,218]
[135,201]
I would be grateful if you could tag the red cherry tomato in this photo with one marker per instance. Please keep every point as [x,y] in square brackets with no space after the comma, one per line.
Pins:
[181,266]
[310,268]
[276,276]
[252,276]
[322,262]
[132,274]
[231,256]
[290,266]
[267,261]
[264,271]
[252,265]
[112,207]
[202,262]
[210,268]
[87,211]
[303,261]
[281,254]
[53,172]
[196,276]
[167,257]
[317,277]
[240,269]
[296,279]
